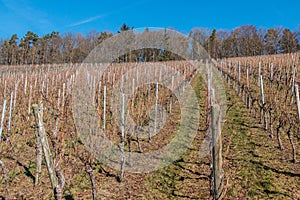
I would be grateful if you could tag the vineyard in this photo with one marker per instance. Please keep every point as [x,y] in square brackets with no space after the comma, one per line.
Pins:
[48,146]
[39,97]
[269,87]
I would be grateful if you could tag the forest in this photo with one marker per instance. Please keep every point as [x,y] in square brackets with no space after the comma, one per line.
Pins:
[55,47]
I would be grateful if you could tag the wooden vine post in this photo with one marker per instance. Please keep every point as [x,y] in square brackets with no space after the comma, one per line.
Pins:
[104,107]
[298,101]
[217,169]
[156,108]
[122,161]
[2,165]
[2,118]
[239,78]
[263,102]
[56,186]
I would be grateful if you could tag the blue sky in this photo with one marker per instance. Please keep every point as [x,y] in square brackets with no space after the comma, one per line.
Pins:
[41,17]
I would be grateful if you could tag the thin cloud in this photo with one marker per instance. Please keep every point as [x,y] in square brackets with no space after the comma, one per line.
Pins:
[91,19]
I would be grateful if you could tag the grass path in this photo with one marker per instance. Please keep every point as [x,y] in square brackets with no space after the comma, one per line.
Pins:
[255,167]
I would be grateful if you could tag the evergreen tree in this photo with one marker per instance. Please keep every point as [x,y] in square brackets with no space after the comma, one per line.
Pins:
[103,36]
[271,41]
[288,42]
[5,52]
[13,49]
[212,50]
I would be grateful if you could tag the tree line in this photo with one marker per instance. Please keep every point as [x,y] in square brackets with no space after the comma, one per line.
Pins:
[71,47]
[247,40]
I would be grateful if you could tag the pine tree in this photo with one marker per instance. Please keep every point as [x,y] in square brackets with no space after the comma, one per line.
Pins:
[271,40]
[288,42]
[213,44]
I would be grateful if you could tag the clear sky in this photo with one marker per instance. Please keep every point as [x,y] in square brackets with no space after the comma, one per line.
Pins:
[44,16]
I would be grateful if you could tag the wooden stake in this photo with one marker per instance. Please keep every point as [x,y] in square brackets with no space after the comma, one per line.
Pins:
[217,173]
[2,118]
